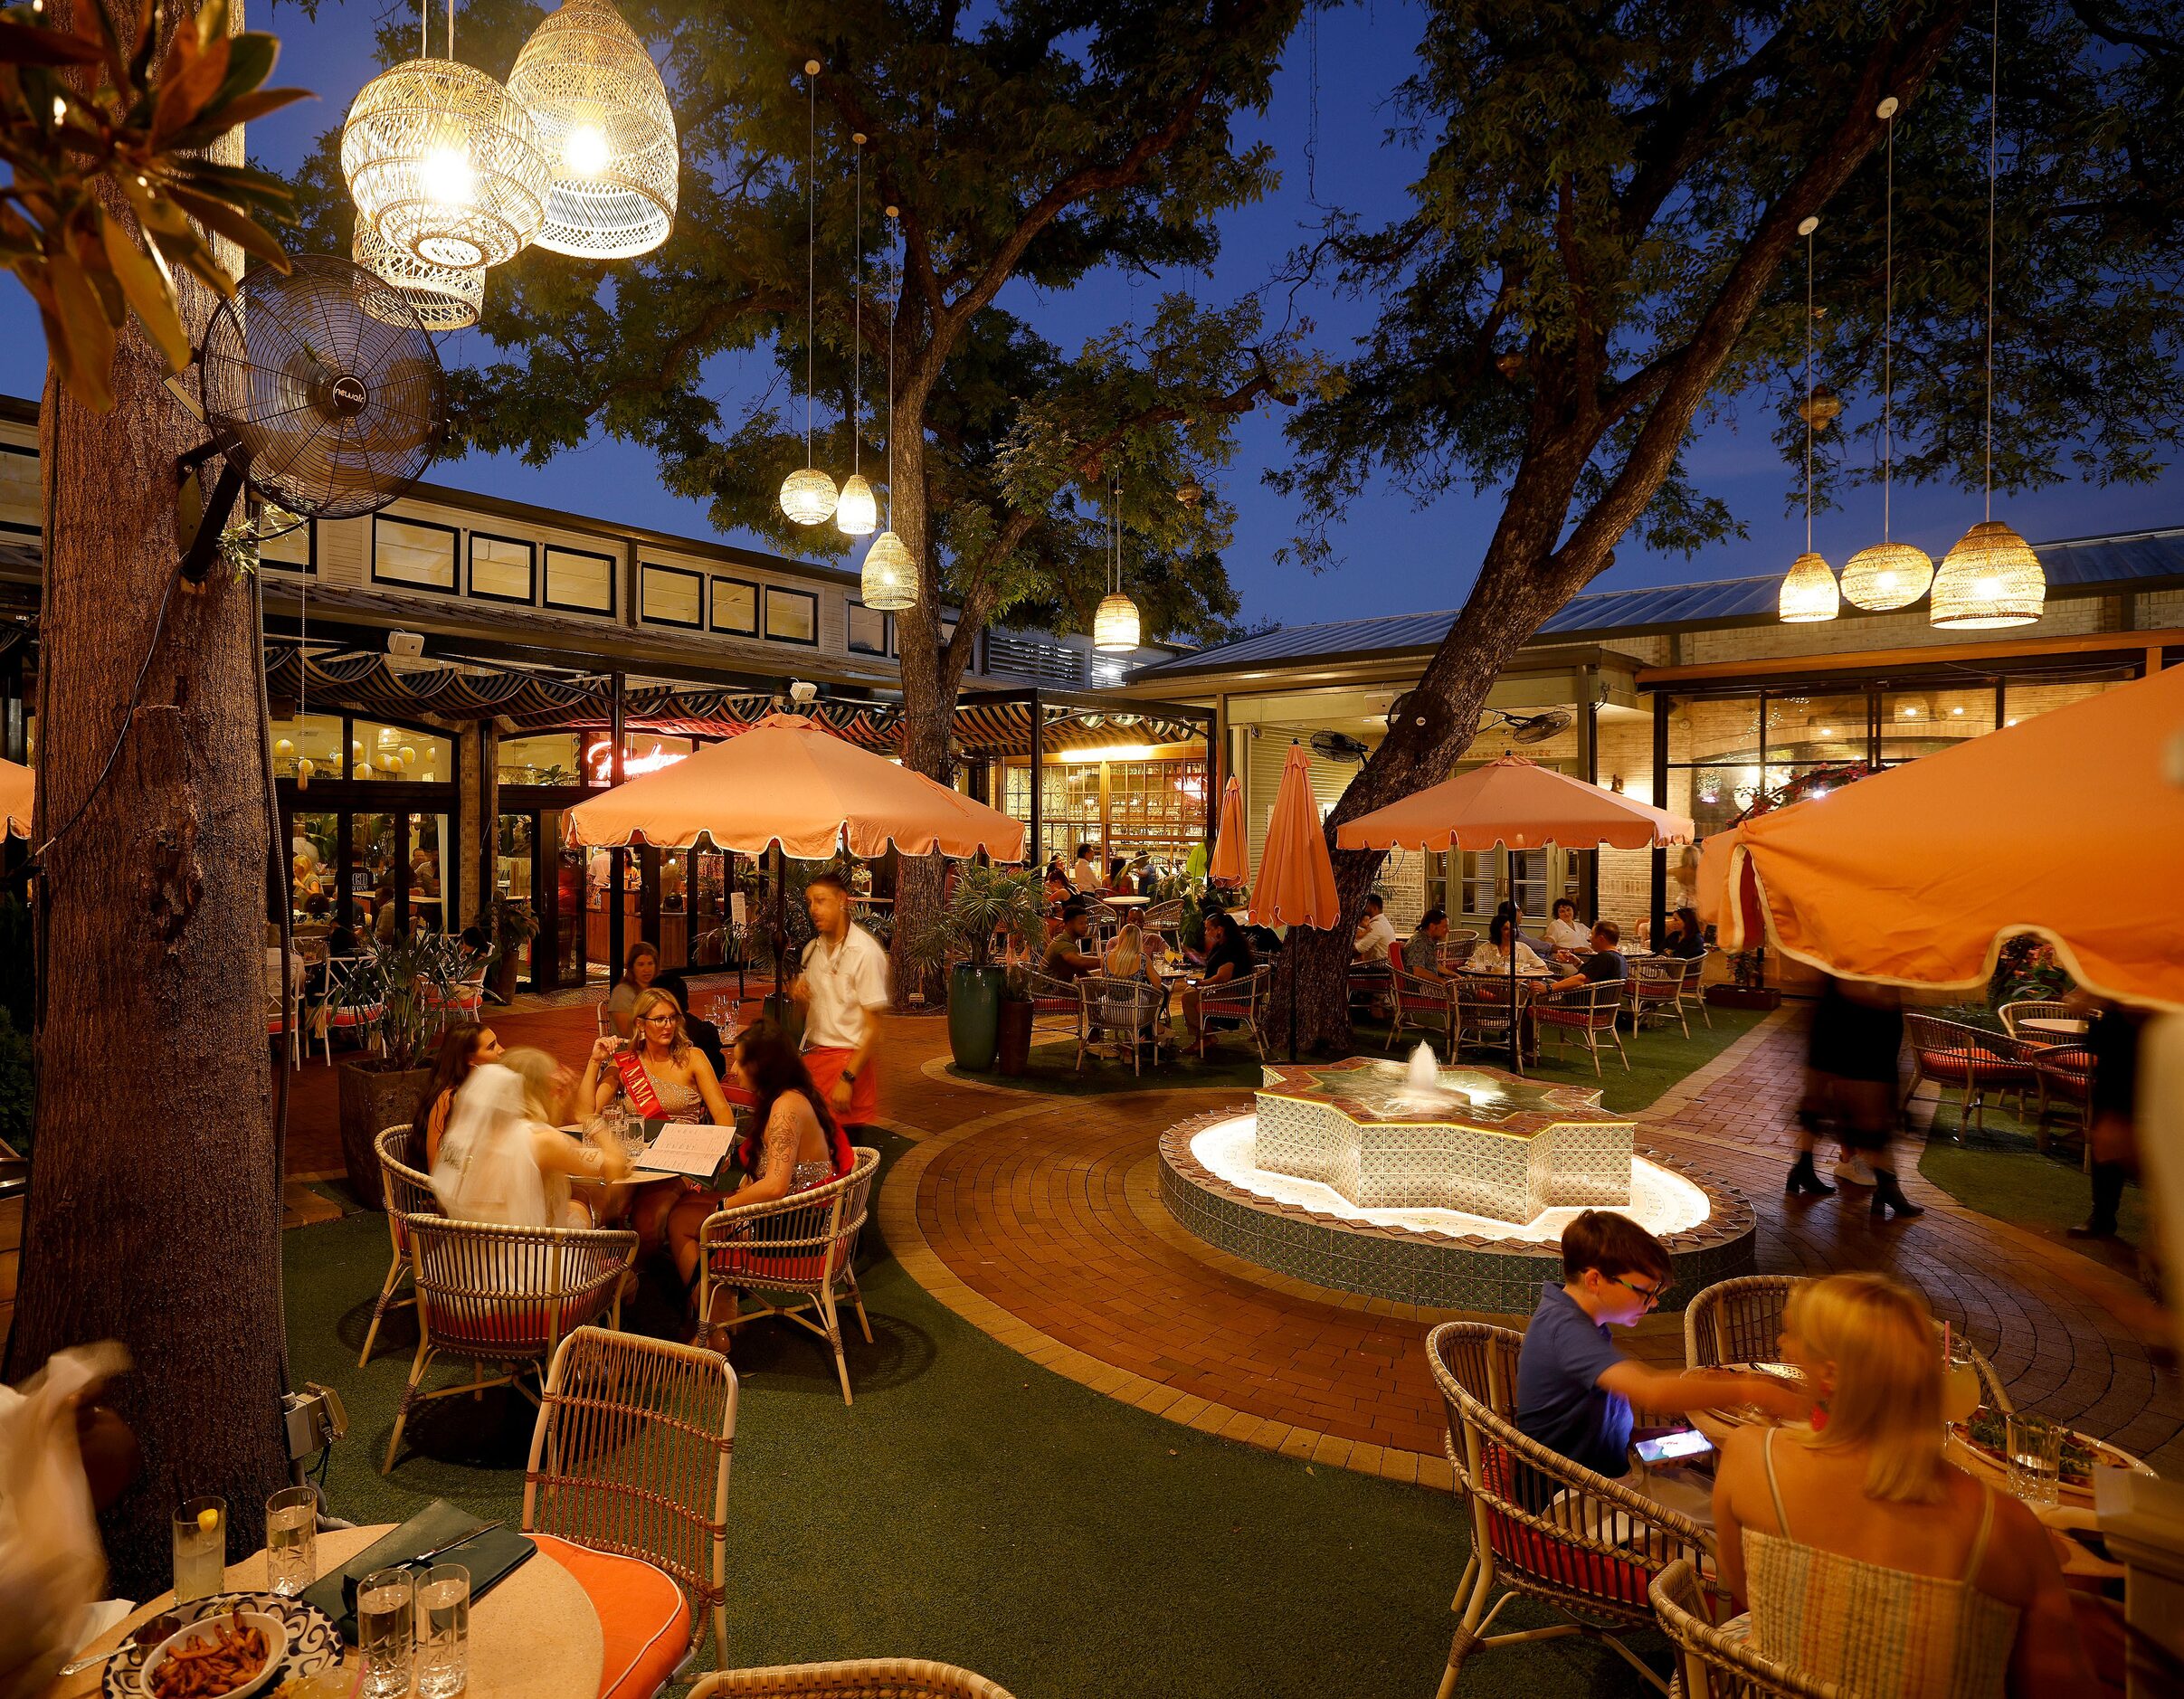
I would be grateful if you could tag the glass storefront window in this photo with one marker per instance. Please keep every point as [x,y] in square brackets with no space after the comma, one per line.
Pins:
[315,738]
[431,850]
[1815,729]
[314,842]
[2023,701]
[398,752]
[1709,730]
[549,760]
[1916,723]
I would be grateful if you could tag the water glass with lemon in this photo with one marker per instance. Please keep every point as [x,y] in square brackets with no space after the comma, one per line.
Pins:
[200,1549]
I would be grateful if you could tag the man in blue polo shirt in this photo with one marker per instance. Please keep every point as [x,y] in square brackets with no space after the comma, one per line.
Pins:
[1575,1389]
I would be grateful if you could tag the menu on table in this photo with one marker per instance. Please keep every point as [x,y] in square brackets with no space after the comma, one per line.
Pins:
[684,1148]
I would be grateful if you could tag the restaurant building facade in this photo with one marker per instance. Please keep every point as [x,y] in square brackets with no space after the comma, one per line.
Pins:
[449,676]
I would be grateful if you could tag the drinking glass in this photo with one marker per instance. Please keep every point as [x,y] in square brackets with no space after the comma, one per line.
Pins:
[291,1539]
[200,1549]
[1961,1389]
[443,1631]
[2036,1459]
[383,1632]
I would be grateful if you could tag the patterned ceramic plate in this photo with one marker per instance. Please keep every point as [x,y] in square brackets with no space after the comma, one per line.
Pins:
[313,1643]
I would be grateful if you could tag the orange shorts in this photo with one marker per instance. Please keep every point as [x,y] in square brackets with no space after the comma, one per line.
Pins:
[826,1067]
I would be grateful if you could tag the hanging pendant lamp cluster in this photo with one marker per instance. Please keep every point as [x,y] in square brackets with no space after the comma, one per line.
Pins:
[889,580]
[856,509]
[1116,626]
[1992,578]
[453,173]
[808,495]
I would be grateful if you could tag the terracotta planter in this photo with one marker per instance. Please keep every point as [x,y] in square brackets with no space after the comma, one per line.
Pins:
[1013,1055]
[372,1099]
[1744,996]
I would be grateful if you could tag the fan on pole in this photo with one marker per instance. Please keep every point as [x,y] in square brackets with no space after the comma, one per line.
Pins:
[322,393]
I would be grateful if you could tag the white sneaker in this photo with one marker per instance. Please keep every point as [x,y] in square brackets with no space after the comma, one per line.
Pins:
[1854,1170]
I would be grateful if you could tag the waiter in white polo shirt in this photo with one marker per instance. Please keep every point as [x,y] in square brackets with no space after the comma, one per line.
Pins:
[842,988]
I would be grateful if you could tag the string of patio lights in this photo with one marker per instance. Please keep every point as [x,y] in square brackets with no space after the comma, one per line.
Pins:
[1992,577]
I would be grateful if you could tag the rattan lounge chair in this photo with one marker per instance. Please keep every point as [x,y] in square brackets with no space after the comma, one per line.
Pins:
[1542,1527]
[405,1189]
[863,1679]
[1975,1062]
[803,1247]
[1589,1014]
[1712,1665]
[1421,1006]
[629,1459]
[1240,1001]
[1056,1009]
[1121,1016]
[505,1295]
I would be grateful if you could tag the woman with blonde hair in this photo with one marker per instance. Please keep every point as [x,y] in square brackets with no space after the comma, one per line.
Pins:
[1864,1559]
[504,1161]
[660,1076]
[1128,958]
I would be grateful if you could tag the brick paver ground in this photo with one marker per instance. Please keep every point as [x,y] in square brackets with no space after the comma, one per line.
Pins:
[1040,1220]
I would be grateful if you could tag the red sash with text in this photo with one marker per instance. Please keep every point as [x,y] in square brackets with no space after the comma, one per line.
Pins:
[636,1086]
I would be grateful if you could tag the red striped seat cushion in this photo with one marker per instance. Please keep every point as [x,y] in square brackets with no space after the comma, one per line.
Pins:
[752,1261]
[643,1618]
[1622,1580]
[355,1015]
[517,1322]
[1419,1000]
[1960,1064]
[1054,1005]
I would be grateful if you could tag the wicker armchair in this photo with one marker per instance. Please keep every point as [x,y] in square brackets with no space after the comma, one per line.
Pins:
[1543,1527]
[1163,916]
[862,1678]
[1741,1320]
[344,1003]
[505,1295]
[1056,1009]
[803,1247]
[1118,1015]
[1711,1665]
[1587,1013]
[1656,988]
[1455,952]
[1975,1062]
[1240,1001]
[1423,1005]
[2064,1073]
[1483,1011]
[2031,1009]
[405,1189]
[630,1456]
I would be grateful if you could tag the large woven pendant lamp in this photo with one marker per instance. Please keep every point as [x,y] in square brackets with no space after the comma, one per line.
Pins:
[444,298]
[443,162]
[1887,576]
[1991,578]
[606,130]
[1116,627]
[889,580]
[1809,593]
[857,513]
[808,495]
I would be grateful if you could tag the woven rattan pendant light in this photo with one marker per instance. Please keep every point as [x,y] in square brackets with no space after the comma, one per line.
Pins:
[807,494]
[443,162]
[1991,578]
[1887,576]
[856,514]
[1809,594]
[444,298]
[1116,628]
[891,573]
[606,130]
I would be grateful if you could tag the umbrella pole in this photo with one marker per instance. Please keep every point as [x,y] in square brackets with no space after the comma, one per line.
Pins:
[779,999]
[1289,950]
[1516,1060]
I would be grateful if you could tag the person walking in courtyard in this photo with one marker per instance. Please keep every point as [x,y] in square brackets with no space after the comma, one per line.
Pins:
[1851,1088]
[843,987]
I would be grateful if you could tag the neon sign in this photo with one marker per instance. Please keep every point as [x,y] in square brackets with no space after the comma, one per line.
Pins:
[599,760]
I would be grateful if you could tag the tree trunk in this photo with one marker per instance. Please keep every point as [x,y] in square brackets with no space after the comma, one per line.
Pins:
[154,1207]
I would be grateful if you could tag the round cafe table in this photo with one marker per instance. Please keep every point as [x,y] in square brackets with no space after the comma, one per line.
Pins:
[534,1637]
[2053,1027]
[1128,902]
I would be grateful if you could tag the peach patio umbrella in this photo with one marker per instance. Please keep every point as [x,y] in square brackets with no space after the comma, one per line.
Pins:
[1295,874]
[2061,826]
[1519,803]
[1230,864]
[18,784]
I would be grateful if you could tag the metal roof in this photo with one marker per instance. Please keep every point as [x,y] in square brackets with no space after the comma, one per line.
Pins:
[2076,566]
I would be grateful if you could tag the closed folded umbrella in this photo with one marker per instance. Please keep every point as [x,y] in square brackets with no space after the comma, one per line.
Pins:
[18,787]
[1230,864]
[1519,803]
[1295,874]
[2062,827]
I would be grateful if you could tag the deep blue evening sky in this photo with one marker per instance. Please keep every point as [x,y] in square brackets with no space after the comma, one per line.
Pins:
[1396,557]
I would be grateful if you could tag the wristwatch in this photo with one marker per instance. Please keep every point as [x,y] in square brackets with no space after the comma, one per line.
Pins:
[849,1076]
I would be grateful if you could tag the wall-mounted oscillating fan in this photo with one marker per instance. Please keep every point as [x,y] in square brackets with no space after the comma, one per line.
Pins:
[1330,746]
[322,393]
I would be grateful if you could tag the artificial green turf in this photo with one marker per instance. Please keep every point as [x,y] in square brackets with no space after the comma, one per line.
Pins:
[975,1508]
[1659,1057]
[2002,1172]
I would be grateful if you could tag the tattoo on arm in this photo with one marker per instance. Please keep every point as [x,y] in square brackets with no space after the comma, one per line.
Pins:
[777,1152]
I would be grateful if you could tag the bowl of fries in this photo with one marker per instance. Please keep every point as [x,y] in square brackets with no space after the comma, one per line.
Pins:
[226,1656]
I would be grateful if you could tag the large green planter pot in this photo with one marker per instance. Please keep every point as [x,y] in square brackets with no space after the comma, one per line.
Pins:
[974,1014]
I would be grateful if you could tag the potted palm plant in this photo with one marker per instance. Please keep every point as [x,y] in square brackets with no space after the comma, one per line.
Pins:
[399,983]
[515,924]
[988,903]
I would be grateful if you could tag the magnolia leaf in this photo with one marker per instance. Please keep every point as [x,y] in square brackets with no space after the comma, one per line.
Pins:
[251,58]
[217,120]
[211,24]
[84,333]
[218,216]
[182,97]
[31,44]
[150,294]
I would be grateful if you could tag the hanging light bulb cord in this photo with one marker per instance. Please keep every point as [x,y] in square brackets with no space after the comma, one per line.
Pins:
[1994,100]
[810,246]
[857,324]
[1888,334]
[893,308]
[1809,392]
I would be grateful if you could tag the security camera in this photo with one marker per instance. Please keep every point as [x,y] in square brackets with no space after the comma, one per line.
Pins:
[801,692]
[409,645]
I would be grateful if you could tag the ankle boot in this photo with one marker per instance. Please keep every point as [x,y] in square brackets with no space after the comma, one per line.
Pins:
[1805,1178]
[2108,1180]
[1888,1195]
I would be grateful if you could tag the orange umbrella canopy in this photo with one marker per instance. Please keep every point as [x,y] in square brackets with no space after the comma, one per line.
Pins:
[18,787]
[2063,827]
[1230,864]
[787,780]
[1295,876]
[1517,802]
